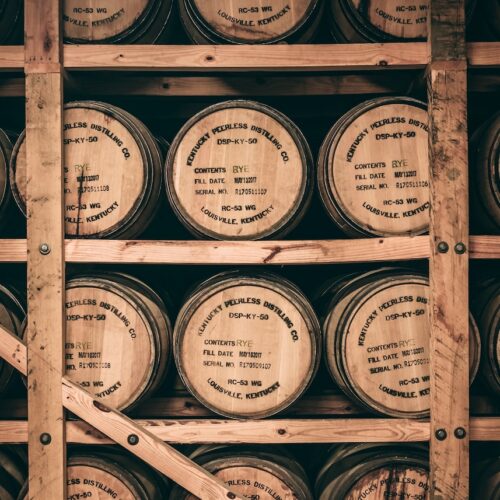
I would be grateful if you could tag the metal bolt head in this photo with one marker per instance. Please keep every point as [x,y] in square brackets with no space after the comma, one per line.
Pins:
[45,438]
[443,247]
[441,434]
[460,433]
[133,439]
[44,249]
[460,248]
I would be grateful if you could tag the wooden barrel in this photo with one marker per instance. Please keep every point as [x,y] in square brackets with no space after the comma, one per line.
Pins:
[374,471]
[487,308]
[484,175]
[485,477]
[11,22]
[110,473]
[376,341]
[12,315]
[112,173]
[259,22]
[13,471]
[247,345]
[358,21]
[239,170]
[5,154]
[118,21]
[373,169]
[257,472]
[118,338]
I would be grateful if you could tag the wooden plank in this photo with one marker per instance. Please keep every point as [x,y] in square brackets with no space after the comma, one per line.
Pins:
[480,55]
[250,252]
[45,324]
[321,405]
[264,252]
[269,85]
[216,58]
[11,58]
[483,54]
[232,431]
[449,267]
[45,284]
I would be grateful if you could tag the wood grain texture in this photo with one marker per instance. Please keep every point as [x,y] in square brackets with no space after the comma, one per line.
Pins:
[44,200]
[238,58]
[194,58]
[11,58]
[250,252]
[447,91]
[231,431]
[45,284]
[43,42]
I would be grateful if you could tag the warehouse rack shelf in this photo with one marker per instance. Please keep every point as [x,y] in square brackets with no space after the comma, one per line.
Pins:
[208,71]
[219,58]
[250,252]
[288,431]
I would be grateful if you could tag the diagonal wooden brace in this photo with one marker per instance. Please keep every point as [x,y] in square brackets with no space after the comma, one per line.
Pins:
[119,428]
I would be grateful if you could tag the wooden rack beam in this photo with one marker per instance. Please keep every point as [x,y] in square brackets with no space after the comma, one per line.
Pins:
[250,252]
[351,57]
[45,249]
[296,431]
[449,262]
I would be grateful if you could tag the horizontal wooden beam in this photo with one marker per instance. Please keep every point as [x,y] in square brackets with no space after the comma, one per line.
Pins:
[186,406]
[226,86]
[483,54]
[344,57]
[231,85]
[11,58]
[250,252]
[283,431]
[242,58]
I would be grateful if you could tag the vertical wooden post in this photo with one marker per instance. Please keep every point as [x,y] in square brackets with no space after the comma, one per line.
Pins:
[449,265]
[47,464]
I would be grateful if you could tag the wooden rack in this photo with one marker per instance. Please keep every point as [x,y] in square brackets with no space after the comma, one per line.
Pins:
[44,67]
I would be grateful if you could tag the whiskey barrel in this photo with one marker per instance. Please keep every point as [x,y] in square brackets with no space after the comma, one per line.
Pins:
[376,341]
[109,473]
[373,471]
[13,471]
[358,21]
[5,154]
[373,169]
[118,21]
[247,345]
[273,21]
[239,170]
[11,22]
[12,315]
[488,317]
[112,173]
[484,174]
[258,472]
[118,338]
[485,477]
